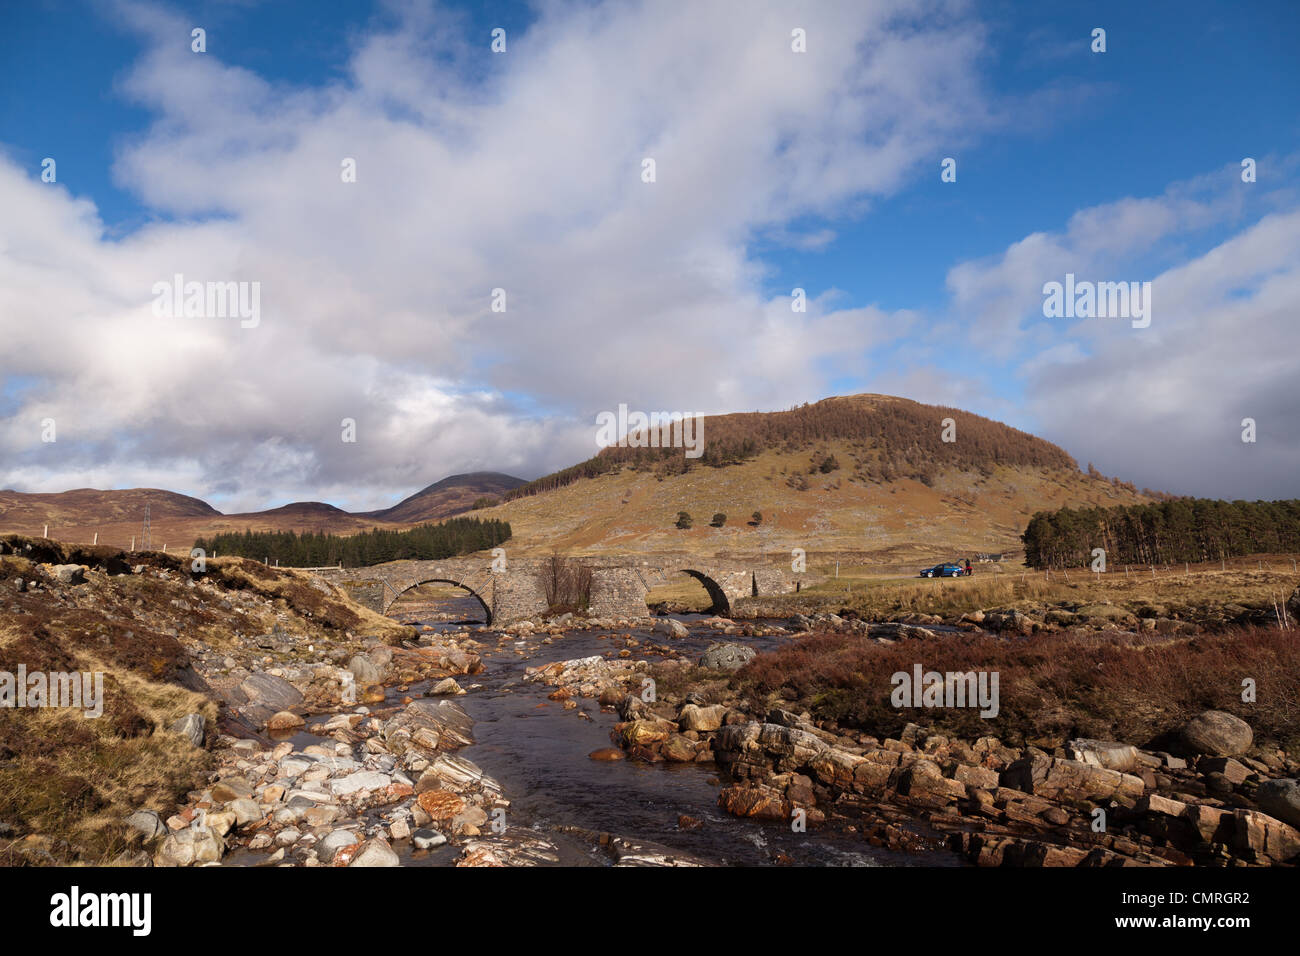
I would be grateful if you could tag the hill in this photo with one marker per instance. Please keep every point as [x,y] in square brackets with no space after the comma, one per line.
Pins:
[865,474]
[451,496]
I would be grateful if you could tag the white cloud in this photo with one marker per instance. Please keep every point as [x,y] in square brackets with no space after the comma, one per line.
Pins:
[375,294]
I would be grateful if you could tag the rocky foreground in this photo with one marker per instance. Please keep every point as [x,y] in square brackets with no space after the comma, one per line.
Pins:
[1220,799]
[300,730]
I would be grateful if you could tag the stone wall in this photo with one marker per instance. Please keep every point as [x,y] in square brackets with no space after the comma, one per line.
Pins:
[617,592]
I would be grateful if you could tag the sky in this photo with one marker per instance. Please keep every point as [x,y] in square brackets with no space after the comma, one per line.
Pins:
[523,170]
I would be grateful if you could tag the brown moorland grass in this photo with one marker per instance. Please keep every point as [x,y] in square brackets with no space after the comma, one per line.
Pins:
[1051,687]
[1252,583]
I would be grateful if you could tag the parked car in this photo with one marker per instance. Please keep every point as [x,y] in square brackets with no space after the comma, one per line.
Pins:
[949,569]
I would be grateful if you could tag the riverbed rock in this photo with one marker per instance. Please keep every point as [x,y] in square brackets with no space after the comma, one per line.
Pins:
[365,670]
[375,852]
[267,690]
[671,627]
[284,720]
[440,805]
[334,841]
[445,719]
[516,847]
[447,687]
[702,719]
[190,845]
[727,656]
[425,839]
[1217,734]
[358,781]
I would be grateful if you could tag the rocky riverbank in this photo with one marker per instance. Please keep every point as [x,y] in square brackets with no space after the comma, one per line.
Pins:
[1215,796]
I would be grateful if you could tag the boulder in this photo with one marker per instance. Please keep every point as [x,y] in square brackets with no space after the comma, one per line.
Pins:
[190,845]
[755,800]
[1069,779]
[727,656]
[923,782]
[267,690]
[1217,734]
[679,749]
[147,822]
[1280,799]
[69,573]
[1105,753]
[671,627]
[245,810]
[190,726]
[702,719]
[1260,838]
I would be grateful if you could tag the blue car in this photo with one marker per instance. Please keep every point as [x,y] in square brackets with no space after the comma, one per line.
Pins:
[948,569]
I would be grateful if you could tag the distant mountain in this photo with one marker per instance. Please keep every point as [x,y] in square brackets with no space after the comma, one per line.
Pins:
[31,512]
[117,516]
[451,496]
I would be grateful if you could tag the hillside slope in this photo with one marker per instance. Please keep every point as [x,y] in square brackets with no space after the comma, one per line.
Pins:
[862,474]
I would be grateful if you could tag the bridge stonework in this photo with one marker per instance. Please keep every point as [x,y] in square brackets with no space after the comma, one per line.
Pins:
[516,592]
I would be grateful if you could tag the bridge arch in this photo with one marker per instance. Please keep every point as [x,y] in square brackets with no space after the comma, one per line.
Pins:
[393,593]
[721,605]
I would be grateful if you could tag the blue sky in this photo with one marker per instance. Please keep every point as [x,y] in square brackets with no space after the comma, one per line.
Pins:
[1122,164]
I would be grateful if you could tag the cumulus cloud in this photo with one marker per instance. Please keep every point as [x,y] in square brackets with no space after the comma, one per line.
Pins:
[520,172]
[1162,406]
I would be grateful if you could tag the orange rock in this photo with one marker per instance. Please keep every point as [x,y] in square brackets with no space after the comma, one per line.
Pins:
[284,720]
[606,753]
[344,856]
[399,791]
[440,804]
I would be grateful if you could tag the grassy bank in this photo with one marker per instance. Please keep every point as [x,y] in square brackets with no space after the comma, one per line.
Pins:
[1211,593]
[1051,687]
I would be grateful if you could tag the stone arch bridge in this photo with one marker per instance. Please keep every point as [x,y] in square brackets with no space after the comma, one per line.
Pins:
[517,591]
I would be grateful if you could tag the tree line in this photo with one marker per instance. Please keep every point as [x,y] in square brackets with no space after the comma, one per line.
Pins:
[1181,529]
[318,549]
